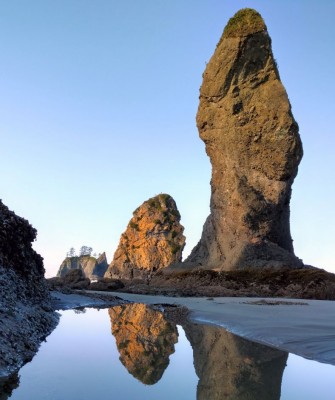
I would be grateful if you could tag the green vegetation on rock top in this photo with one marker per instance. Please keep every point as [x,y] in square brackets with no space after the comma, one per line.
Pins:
[155,202]
[245,22]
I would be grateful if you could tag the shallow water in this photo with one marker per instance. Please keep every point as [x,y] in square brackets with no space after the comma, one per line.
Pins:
[131,352]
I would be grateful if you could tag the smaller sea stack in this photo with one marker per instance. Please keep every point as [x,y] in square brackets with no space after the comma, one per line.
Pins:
[152,241]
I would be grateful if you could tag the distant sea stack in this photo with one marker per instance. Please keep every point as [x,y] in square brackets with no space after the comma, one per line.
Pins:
[26,316]
[152,241]
[252,140]
[93,268]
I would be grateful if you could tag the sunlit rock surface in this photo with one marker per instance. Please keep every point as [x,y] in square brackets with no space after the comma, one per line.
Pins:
[152,241]
[252,140]
[145,340]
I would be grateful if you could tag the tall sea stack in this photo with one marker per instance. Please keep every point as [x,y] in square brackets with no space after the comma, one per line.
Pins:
[252,140]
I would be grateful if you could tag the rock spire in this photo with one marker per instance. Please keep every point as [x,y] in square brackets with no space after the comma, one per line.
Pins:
[252,140]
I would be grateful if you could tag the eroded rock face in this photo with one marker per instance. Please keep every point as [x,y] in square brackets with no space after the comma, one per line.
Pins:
[145,340]
[153,240]
[252,140]
[230,367]
[26,316]
[93,268]
[7,385]
[100,268]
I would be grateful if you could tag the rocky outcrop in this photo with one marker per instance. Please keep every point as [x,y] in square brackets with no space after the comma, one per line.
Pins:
[93,268]
[230,367]
[69,264]
[152,241]
[7,385]
[252,140]
[76,279]
[26,316]
[145,340]
[99,269]
[296,283]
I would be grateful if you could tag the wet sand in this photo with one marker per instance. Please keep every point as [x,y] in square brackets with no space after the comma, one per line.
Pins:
[62,301]
[302,327]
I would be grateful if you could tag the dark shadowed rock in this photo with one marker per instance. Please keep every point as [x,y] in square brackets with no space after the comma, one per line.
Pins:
[252,140]
[76,279]
[26,316]
[7,385]
[152,241]
[298,283]
[99,269]
[73,279]
[106,284]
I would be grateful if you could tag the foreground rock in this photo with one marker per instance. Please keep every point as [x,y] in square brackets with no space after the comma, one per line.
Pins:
[252,140]
[152,241]
[93,268]
[144,339]
[7,385]
[26,316]
[307,283]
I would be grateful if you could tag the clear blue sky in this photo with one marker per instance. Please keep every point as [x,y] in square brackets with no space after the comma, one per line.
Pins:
[97,114]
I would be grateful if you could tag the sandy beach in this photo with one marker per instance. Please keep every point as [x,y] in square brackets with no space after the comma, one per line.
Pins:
[302,327]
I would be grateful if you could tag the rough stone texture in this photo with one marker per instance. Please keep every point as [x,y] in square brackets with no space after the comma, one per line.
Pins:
[26,317]
[92,268]
[300,283]
[145,340]
[252,140]
[230,367]
[106,284]
[100,268]
[7,385]
[153,240]
[75,279]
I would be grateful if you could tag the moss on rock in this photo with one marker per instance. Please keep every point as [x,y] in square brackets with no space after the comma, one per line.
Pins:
[245,22]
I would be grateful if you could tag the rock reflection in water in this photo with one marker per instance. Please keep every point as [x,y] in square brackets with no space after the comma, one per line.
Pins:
[7,385]
[145,340]
[230,367]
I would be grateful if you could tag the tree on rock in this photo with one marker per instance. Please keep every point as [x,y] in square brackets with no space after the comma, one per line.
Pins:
[71,252]
[85,251]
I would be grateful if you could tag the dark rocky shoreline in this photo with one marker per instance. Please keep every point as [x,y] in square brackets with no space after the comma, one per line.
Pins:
[26,314]
[304,283]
